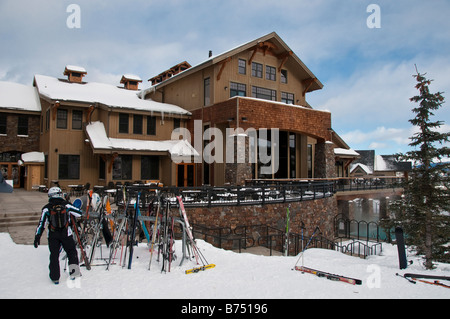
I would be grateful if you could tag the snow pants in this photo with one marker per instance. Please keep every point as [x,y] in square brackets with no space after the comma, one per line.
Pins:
[56,240]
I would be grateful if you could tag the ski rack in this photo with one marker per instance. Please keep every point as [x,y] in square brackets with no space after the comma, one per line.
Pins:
[176,220]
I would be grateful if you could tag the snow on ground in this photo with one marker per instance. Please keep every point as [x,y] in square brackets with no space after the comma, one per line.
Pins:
[24,274]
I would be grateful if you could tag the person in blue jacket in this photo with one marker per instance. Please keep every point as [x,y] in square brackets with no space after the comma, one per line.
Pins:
[56,217]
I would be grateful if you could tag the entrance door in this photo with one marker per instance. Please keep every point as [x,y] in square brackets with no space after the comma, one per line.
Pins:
[185,175]
[11,171]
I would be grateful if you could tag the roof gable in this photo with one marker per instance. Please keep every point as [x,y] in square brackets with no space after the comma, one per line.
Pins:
[270,43]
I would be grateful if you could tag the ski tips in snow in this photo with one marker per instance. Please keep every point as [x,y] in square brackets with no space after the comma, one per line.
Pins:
[334,277]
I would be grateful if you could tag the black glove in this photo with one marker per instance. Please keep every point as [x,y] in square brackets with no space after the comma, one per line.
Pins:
[37,241]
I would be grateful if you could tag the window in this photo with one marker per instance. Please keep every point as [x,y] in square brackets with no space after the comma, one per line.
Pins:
[22,125]
[310,161]
[149,167]
[283,76]
[271,73]
[47,120]
[123,123]
[69,167]
[137,124]
[176,123]
[3,121]
[77,120]
[257,70]
[242,66]
[61,119]
[122,168]
[292,155]
[287,98]
[262,93]
[101,168]
[207,92]
[237,89]
[151,125]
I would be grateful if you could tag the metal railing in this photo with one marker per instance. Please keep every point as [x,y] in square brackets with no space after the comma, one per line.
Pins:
[244,237]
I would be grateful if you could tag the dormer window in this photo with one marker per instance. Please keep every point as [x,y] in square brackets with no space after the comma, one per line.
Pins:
[131,82]
[75,73]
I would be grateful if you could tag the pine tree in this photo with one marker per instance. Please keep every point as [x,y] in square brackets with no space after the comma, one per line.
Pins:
[424,210]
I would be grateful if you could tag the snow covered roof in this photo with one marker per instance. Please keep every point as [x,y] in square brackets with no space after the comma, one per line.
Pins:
[106,94]
[74,68]
[345,152]
[15,96]
[130,77]
[101,142]
[365,168]
[33,157]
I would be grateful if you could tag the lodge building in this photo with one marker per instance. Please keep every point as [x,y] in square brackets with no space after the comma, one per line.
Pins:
[103,134]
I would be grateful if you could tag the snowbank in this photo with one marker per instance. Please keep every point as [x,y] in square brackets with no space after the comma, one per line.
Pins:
[24,274]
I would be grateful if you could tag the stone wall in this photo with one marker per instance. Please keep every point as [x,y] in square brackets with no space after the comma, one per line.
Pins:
[320,212]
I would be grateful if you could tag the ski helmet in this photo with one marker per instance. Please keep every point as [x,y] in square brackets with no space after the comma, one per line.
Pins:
[55,192]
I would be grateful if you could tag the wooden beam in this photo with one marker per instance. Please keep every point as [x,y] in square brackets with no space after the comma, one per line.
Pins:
[283,57]
[55,109]
[224,63]
[307,83]
[113,157]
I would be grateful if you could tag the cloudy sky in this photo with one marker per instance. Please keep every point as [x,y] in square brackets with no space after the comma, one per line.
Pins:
[366,72]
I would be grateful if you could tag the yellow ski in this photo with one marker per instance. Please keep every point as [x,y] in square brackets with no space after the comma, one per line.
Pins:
[197,269]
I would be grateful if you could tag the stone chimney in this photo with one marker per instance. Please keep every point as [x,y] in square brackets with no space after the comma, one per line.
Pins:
[75,73]
[131,82]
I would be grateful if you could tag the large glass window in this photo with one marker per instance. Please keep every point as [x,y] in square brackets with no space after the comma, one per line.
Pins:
[122,168]
[69,167]
[257,70]
[149,167]
[287,98]
[262,93]
[271,73]
[237,89]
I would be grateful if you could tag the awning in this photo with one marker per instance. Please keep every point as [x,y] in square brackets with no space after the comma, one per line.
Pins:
[179,150]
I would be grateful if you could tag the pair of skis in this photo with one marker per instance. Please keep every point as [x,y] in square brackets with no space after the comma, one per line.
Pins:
[327,275]
[319,273]
[197,253]
[163,236]
[413,278]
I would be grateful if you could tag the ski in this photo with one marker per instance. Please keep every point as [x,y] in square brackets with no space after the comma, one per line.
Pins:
[188,228]
[77,235]
[420,276]
[436,282]
[286,252]
[198,269]
[329,276]
[132,240]
[410,280]
[155,230]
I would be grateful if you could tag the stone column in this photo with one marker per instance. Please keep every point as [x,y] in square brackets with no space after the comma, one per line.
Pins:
[324,161]
[238,167]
